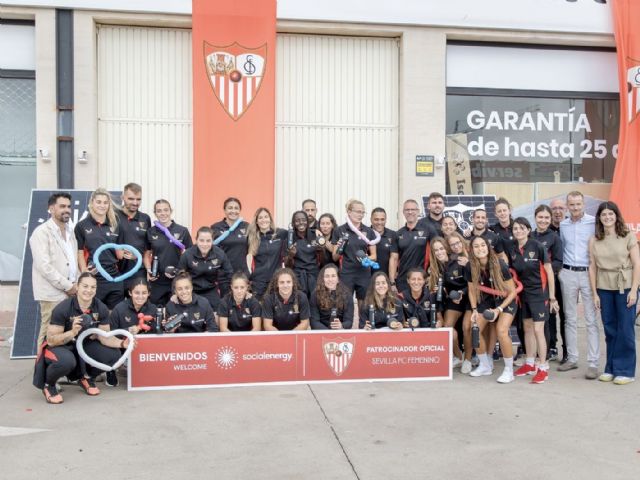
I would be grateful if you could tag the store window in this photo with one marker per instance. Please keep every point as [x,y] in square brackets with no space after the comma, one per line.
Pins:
[17,166]
[17,140]
[534,139]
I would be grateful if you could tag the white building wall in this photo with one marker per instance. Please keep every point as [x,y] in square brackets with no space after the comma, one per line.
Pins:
[144,113]
[336,123]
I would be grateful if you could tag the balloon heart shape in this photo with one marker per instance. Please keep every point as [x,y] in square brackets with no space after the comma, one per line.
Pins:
[115,246]
[102,333]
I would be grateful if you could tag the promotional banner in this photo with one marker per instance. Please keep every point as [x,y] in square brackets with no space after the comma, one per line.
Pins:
[626,177]
[233,105]
[215,360]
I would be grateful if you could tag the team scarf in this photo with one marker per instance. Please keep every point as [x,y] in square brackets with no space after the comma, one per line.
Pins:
[226,233]
[169,235]
[499,293]
[361,235]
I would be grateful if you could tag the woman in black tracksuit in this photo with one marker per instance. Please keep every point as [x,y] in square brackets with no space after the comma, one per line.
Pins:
[331,303]
[163,252]
[208,266]
[59,356]
[230,235]
[530,261]
[267,249]
[347,245]
[239,311]
[416,300]
[195,311]
[381,308]
[303,255]
[284,306]
[552,242]
[100,226]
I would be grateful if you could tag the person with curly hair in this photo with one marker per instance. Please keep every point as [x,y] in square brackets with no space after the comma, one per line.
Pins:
[284,306]
[331,303]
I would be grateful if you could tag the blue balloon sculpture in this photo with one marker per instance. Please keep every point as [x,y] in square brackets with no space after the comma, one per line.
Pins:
[115,246]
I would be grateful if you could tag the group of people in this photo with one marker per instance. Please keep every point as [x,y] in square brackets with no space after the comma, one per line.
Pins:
[242,276]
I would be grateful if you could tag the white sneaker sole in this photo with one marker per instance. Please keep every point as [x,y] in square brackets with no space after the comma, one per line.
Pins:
[482,373]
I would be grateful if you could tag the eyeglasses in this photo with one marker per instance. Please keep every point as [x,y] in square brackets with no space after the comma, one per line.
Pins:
[456,244]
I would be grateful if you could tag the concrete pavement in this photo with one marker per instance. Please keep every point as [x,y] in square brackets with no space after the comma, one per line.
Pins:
[467,428]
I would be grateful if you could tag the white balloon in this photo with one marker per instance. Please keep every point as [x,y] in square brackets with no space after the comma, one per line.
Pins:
[102,333]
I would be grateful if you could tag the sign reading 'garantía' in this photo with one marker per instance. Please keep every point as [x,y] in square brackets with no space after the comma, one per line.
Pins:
[212,360]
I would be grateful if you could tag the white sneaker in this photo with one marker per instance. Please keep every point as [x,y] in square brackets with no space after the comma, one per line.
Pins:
[466,367]
[455,362]
[506,377]
[481,371]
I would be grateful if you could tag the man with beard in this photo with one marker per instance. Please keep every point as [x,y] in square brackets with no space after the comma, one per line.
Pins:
[55,268]
[134,225]
[434,216]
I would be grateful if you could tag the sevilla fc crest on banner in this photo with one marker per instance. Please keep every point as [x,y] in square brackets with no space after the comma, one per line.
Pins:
[338,353]
[633,89]
[235,73]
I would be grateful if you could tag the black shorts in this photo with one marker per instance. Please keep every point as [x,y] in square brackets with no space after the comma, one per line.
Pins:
[511,309]
[538,311]
[463,306]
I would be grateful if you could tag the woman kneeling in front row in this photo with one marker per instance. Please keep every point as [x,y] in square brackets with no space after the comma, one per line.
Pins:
[331,302]
[284,306]
[381,308]
[59,356]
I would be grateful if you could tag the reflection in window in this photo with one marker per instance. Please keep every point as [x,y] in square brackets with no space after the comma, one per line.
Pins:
[523,139]
[17,168]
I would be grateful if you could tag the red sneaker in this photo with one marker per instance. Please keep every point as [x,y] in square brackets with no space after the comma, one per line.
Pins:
[89,386]
[540,376]
[525,369]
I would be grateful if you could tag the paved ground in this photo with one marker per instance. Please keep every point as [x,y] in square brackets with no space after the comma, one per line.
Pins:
[568,428]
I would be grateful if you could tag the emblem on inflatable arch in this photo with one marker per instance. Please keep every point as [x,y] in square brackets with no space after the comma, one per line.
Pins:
[633,89]
[235,73]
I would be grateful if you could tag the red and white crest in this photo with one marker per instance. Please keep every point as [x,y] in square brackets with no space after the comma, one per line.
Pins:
[338,353]
[633,89]
[235,73]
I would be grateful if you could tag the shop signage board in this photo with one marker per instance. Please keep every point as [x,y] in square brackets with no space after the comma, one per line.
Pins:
[206,360]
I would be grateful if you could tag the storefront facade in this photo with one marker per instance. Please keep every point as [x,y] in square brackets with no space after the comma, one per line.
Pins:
[523,97]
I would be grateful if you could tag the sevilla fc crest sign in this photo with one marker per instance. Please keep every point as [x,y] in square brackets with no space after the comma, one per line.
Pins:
[338,353]
[235,73]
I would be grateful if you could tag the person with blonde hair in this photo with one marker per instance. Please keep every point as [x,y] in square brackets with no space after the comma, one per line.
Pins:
[353,244]
[267,248]
[100,226]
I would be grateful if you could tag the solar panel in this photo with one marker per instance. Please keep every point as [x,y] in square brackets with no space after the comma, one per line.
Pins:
[461,207]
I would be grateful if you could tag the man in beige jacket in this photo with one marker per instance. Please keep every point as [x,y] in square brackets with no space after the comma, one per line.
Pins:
[54,248]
